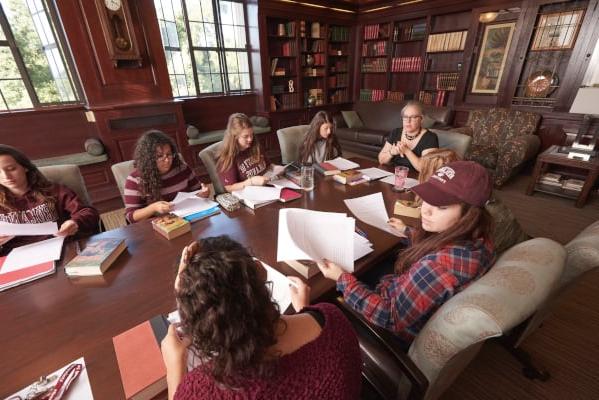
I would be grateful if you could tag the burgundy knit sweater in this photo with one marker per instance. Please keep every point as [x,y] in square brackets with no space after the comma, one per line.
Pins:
[326,368]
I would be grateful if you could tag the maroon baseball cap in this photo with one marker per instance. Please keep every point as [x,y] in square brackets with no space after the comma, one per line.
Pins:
[456,182]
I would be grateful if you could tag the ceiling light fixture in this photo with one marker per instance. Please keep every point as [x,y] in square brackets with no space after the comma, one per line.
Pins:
[487,17]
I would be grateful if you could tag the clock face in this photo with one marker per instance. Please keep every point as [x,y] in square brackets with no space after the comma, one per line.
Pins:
[113,5]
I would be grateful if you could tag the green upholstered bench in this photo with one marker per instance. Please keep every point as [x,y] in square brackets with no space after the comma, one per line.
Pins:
[217,135]
[76,158]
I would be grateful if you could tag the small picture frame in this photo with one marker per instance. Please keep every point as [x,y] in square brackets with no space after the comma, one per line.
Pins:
[557,31]
[492,58]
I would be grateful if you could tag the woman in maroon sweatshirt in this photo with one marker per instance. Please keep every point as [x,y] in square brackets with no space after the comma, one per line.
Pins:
[27,197]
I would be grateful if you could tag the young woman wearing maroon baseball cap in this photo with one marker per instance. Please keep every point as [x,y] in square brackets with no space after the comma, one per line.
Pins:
[450,249]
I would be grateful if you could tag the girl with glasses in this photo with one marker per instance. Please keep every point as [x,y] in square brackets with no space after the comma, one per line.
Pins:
[158,176]
[27,197]
[405,145]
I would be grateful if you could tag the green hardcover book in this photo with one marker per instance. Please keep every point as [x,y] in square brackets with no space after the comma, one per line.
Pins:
[96,257]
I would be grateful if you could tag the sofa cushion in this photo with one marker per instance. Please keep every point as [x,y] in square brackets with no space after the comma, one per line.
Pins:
[428,122]
[507,232]
[362,135]
[352,119]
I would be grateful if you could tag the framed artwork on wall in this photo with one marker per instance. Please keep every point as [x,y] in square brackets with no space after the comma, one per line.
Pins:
[492,57]
[557,31]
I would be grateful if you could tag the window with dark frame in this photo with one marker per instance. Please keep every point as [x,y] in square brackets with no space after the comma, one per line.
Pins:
[35,71]
[205,45]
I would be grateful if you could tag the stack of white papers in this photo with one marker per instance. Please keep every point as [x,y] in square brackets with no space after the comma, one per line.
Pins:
[315,235]
[373,174]
[371,210]
[258,194]
[185,204]
[284,183]
[362,246]
[409,183]
[342,164]
[44,228]
[33,254]
[279,288]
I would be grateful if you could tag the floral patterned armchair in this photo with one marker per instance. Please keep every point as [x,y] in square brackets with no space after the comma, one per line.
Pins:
[502,140]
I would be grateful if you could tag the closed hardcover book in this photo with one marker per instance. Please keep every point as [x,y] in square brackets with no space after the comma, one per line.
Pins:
[24,275]
[326,168]
[171,226]
[289,195]
[139,359]
[349,176]
[407,209]
[305,268]
[202,214]
[96,257]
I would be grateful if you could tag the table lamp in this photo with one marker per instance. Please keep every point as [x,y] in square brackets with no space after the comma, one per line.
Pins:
[587,103]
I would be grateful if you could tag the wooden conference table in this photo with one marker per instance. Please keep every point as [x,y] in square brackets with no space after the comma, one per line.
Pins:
[55,320]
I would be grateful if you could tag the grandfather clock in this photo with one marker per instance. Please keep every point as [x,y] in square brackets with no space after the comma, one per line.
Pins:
[117,28]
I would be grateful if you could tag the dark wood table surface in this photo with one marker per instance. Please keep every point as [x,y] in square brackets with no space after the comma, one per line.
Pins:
[52,321]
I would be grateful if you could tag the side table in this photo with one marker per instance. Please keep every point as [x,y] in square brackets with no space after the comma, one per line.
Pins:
[551,156]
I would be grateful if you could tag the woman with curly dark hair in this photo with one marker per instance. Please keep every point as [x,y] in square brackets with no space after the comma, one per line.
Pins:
[248,350]
[158,176]
[27,197]
[320,143]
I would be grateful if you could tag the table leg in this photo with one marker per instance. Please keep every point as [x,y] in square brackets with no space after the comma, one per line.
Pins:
[535,177]
[586,188]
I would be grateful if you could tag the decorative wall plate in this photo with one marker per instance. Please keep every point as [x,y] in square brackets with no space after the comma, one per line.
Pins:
[541,84]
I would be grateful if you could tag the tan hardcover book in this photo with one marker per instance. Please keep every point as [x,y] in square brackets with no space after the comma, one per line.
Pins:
[171,226]
[305,268]
[406,209]
[347,177]
[96,257]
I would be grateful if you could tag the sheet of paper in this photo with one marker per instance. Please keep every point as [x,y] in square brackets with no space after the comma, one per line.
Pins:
[284,183]
[33,254]
[185,195]
[410,182]
[314,235]
[375,173]
[362,247]
[260,193]
[44,228]
[192,205]
[371,210]
[342,164]
[279,288]
[80,389]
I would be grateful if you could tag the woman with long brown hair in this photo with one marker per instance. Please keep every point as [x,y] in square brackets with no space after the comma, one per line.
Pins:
[450,249]
[241,161]
[158,176]
[247,348]
[27,197]
[320,143]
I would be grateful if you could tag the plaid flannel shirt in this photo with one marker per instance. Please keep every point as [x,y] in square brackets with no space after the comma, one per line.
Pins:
[403,303]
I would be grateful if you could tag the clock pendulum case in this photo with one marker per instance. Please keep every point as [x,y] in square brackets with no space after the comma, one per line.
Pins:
[117,28]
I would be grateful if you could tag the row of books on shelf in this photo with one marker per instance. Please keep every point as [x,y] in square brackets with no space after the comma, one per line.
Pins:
[315,46]
[338,80]
[286,49]
[406,64]
[339,33]
[313,71]
[278,89]
[286,29]
[450,41]
[559,181]
[396,96]
[339,96]
[375,65]
[317,30]
[376,31]
[447,80]
[339,66]
[409,32]
[372,94]
[374,48]
[316,59]
[317,96]
[284,101]
[438,98]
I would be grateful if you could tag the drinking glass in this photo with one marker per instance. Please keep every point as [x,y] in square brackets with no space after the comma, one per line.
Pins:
[307,179]
[401,173]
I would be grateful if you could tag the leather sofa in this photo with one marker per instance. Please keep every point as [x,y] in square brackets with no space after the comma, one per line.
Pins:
[379,119]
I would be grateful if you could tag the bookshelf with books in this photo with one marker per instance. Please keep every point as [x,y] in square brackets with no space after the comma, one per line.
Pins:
[338,64]
[406,62]
[283,54]
[312,36]
[374,61]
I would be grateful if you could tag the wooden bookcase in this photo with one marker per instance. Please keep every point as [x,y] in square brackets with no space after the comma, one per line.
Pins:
[374,61]
[309,64]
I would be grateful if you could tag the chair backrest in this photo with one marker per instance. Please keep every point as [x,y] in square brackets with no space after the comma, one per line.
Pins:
[455,141]
[510,292]
[209,156]
[290,140]
[70,176]
[582,257]
[121,171]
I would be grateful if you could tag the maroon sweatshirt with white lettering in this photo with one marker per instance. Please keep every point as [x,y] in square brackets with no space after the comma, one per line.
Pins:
[67,206]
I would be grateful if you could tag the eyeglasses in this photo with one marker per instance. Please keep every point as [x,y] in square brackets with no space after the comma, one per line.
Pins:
[164,157]
[410,117]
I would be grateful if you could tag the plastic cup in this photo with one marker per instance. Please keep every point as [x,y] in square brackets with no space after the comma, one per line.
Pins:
[307,178]
[401,173]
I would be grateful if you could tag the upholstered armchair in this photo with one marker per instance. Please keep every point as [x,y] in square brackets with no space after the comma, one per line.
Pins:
[290,140]
[521,279]
[502,140]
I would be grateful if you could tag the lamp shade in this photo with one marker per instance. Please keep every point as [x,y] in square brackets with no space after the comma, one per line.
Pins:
[586,101]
